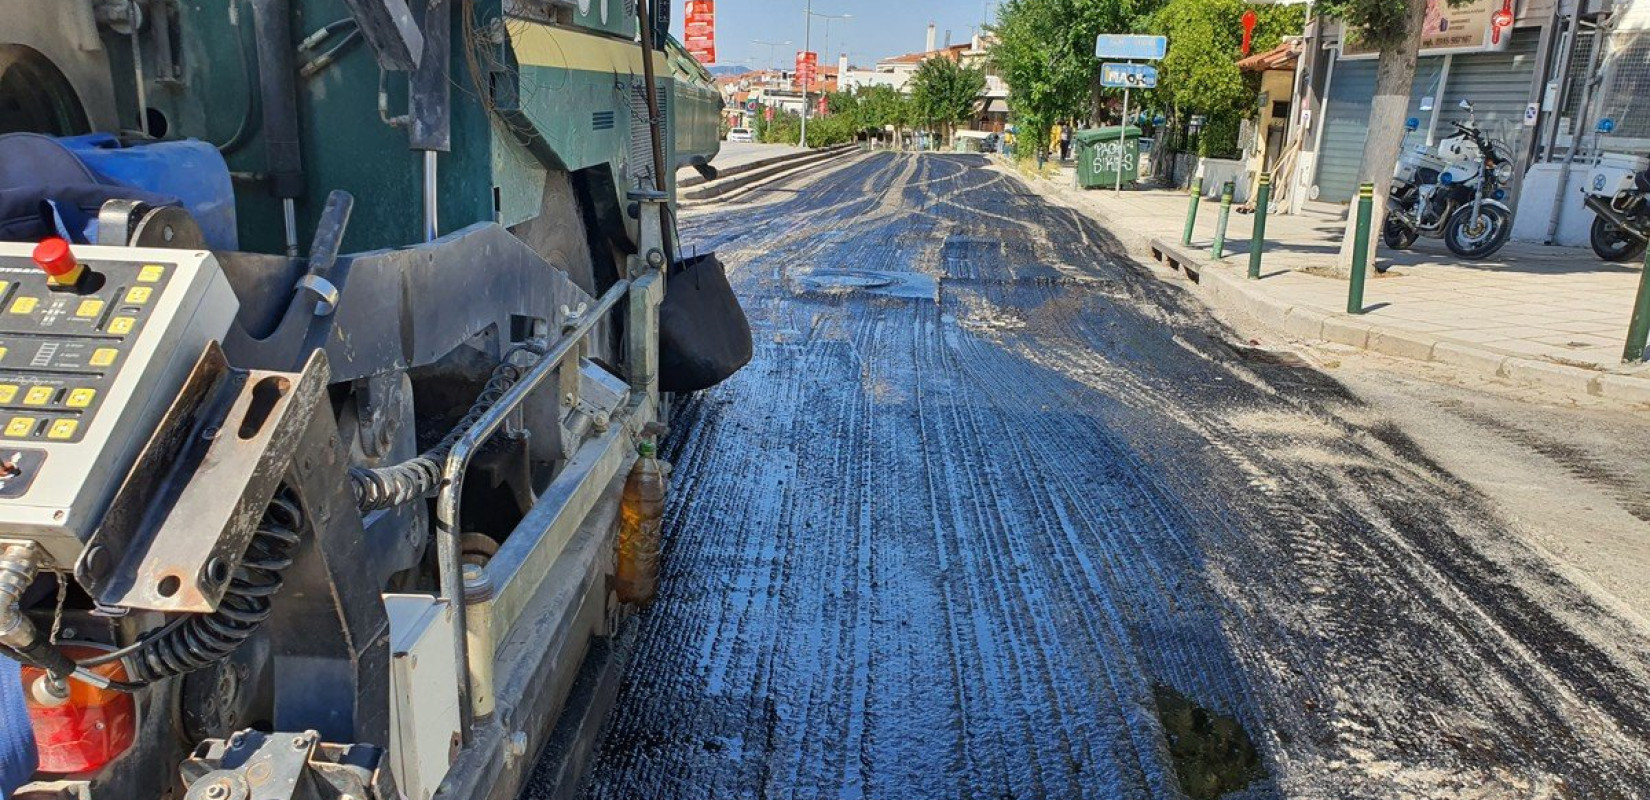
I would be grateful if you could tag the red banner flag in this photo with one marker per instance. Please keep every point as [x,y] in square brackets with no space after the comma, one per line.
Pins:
[699,31]
[807,68]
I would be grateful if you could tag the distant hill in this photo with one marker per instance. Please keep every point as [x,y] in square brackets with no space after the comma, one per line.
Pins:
[729,69]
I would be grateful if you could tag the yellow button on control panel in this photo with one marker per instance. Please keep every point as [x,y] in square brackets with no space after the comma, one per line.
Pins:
[20,426]
[81,398]
[89,308]
[104,356]
[8,393]
[24,305]
[63,429]
[38,395]
[120,326]
[151,273]
[138,295]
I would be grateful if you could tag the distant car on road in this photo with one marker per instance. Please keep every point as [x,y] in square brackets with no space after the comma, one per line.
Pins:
[741,135]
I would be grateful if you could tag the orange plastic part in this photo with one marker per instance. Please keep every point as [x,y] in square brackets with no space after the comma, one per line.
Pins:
[89,730]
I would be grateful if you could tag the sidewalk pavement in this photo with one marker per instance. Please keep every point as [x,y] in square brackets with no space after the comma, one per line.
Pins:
[738,154]
[1554,317]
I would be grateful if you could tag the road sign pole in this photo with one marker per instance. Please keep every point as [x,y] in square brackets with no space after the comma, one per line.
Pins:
[1122,142]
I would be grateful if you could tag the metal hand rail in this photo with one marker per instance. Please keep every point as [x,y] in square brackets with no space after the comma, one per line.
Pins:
[447,535]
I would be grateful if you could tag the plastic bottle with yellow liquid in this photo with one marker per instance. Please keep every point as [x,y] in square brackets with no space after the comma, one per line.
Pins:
[641,517]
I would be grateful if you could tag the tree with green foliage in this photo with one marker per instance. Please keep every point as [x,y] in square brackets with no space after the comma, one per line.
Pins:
[1200,76]
[945,93]
[881,108]
[1045,51]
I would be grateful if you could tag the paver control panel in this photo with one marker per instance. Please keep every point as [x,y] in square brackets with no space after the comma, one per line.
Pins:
[95,343]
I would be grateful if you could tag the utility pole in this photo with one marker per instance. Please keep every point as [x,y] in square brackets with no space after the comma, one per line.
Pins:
[807,45]
[826,50]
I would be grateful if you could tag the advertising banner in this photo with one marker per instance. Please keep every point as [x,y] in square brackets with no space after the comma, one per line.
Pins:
[807,69]
[1475,26]
[699,31]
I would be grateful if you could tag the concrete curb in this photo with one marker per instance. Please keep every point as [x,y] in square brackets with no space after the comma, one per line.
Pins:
[739,169]
[735,178]
[1230,290]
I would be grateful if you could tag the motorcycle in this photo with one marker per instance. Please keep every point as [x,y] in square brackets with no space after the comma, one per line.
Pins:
[1454,194]
[1619,197]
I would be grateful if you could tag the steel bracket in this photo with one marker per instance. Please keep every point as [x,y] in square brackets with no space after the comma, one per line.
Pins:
[391,31]
[180,524]
[286,766]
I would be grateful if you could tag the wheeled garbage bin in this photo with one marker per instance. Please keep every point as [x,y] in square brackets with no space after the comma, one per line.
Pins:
[1104,152]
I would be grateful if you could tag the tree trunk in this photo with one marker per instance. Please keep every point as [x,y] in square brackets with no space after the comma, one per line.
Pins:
[1394,78]
[1098,113]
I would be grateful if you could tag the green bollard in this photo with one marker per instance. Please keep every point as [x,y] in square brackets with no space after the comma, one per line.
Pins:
[1258,242]
[1218,251]
[1191,216]
[1638,333]
[1360,249]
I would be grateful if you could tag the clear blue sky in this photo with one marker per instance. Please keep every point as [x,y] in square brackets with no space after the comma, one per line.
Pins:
[880,28]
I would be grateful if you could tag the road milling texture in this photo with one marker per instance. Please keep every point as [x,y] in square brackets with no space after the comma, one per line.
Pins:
[995,514]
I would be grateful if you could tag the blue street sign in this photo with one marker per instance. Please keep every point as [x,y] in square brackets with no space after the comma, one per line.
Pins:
[1128,76]
[1606,125]
[1134,48]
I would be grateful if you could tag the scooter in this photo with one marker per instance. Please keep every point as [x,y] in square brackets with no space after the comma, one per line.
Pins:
[1619,197]
[1455,194]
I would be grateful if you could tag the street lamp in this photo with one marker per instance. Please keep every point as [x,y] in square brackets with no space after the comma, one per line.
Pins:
[807,46]
[771,47]
[826,50]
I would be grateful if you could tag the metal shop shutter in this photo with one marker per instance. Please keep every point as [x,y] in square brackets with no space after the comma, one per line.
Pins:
[1498,84]
[1346,127]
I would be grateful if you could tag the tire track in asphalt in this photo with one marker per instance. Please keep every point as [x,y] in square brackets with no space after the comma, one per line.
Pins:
[947,549]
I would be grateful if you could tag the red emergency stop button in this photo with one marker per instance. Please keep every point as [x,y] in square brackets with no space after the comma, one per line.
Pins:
[54,257]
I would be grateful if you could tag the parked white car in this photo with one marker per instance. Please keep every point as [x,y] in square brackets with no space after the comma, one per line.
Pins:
[741,135]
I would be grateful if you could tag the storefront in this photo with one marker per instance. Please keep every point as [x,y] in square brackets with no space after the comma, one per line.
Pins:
[1466,56]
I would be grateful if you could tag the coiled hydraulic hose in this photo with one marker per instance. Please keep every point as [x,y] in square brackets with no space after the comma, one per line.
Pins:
[380,488]
[198,641]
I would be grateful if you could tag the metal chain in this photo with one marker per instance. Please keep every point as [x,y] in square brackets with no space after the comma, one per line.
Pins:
[57,615]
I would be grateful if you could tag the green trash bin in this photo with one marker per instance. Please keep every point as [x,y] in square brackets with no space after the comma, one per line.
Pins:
[1102,152]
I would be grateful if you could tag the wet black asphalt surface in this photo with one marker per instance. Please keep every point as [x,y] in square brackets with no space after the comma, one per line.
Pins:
[994,513]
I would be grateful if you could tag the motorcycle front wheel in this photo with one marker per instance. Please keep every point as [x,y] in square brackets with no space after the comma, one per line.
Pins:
[1476,236]
[1396,234]
[1614,243]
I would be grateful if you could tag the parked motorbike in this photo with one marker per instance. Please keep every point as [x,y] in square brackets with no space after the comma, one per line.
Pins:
[1454,193]
[1619,197]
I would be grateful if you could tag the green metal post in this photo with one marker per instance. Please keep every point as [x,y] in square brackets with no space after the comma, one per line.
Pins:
[1258,242]
[1191,216]
[1638,333]
[1360,249]
[1219,248]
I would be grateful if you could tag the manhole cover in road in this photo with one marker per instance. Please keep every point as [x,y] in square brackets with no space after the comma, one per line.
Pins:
[827,281]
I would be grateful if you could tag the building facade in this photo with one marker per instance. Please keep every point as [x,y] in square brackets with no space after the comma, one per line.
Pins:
[1541,84]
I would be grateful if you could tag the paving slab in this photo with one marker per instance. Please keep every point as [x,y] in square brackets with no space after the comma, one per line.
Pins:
[1550,316]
